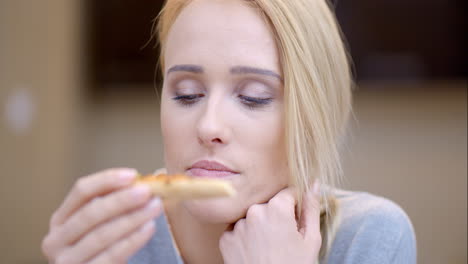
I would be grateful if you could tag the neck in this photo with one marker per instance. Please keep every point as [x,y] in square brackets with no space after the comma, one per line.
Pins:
[198,242]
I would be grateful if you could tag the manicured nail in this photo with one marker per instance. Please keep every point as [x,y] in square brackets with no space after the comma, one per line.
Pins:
[316,187]
[140,191]
[127,175]
[148,226]
[153,204]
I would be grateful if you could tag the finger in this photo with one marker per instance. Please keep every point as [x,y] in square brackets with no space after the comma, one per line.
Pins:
[285,200]
[240,225]
[89,187]
[101,210]
[121,251]
[107,234]
[310,218]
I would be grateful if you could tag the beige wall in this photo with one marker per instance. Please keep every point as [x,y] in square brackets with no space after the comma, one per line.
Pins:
[39,84]
[408,142]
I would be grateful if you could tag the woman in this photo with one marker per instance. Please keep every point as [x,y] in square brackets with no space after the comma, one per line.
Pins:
[257,92]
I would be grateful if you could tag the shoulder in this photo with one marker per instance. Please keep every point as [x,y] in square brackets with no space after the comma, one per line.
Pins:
[372,229]
[360,208]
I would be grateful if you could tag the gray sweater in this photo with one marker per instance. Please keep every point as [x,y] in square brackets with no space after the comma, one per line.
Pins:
[371,230]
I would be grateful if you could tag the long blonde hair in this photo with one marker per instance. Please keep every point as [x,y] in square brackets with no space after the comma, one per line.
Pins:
[317,85]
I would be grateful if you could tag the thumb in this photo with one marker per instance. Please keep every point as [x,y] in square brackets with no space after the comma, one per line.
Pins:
[310,218]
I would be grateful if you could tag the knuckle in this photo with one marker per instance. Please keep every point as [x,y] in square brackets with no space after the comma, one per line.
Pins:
[280,206]
[53,219]
[282,201]
[253,212]
[238,227]
[46,246]
[276,202]
[81,187]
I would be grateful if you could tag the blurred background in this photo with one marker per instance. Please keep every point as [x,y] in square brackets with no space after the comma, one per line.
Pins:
[77,95]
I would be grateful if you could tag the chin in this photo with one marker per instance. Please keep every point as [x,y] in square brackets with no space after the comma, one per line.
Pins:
[216,211]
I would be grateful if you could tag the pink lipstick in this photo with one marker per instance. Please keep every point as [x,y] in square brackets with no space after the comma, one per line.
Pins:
[210,169]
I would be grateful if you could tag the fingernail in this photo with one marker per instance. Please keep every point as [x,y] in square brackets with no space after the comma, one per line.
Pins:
[127,175]
[148,226]
[153,204]
[316,187]
[140,191]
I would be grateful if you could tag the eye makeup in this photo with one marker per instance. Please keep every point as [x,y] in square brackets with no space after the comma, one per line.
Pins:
[255,88]
[186,91]
[252,102]
[252,93]
[188,100]
[255,94]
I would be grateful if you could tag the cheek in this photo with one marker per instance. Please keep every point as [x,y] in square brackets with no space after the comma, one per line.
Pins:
[177,136]
[264,142]
[265,159]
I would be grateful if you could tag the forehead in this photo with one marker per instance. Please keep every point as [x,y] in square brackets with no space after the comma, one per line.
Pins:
[221,33]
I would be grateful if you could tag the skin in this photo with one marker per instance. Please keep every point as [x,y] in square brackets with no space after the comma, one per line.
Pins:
[103,219]
[220,124]
[226,112]
[210,110]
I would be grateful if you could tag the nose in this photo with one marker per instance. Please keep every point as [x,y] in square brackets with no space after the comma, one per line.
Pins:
[212,128]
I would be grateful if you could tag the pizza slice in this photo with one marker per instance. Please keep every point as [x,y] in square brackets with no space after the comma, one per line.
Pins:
[181,186]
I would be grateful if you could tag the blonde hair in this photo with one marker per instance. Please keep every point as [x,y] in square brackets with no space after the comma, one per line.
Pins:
[317,87]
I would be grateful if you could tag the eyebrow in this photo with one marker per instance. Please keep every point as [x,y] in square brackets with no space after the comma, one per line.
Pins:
[234,70]
[186,68]
[254,70]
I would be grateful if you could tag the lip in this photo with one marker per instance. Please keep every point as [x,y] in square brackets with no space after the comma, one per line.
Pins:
[210,169]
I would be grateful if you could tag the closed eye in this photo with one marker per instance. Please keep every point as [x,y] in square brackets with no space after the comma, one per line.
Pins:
[254,102]
[189,99]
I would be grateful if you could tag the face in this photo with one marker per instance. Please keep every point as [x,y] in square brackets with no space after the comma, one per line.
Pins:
[222,112]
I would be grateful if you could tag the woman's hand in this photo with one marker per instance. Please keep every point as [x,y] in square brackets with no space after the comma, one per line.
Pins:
[270,233]
[103,219]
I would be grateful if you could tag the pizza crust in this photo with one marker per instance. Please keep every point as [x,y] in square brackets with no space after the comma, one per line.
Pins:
[184,187]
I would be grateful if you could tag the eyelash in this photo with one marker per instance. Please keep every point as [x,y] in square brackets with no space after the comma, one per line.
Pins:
[254,102]
[250,102]
[188,100]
